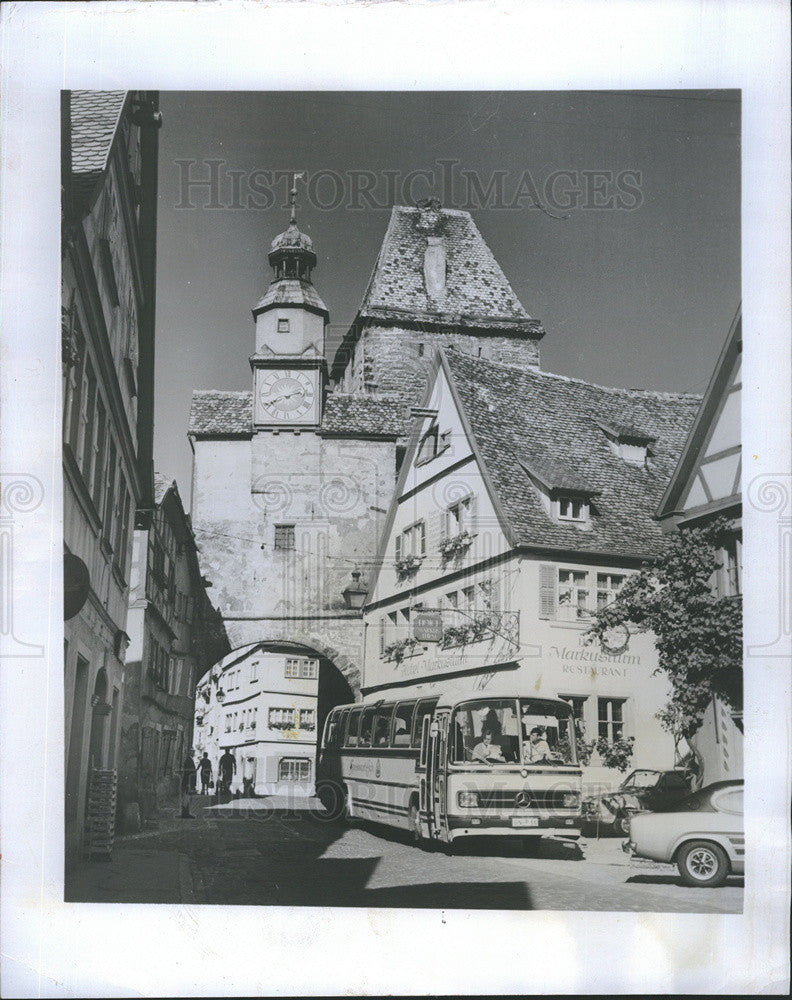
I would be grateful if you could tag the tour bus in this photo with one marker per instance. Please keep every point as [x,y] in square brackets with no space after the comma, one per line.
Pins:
[454,765]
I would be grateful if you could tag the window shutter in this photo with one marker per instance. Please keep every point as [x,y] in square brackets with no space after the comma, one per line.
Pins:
[547,591]
[422,529]
[398,547]
[473,514]
[495,595]
[382,636]
[444,526]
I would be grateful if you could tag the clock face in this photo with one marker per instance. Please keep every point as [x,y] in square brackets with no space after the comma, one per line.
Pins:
[287,396]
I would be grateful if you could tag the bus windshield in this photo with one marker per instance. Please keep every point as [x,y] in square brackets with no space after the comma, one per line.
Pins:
[526,731]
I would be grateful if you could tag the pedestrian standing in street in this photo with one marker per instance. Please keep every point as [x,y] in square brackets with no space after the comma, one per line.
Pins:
[226,769]
[187,785]
[205,768]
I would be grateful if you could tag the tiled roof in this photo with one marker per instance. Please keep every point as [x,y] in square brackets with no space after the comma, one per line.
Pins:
[526,417]
[162,484]
[230,414]
[291,291]
[227,414]
[363,415]
[94,120]
[476,294]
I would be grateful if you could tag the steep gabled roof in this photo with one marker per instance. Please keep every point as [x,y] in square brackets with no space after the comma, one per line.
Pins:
[520,418]
[230,414]
[700,431]
[95,116]
[477,293]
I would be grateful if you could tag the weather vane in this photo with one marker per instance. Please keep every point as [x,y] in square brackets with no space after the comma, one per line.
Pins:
[294,196]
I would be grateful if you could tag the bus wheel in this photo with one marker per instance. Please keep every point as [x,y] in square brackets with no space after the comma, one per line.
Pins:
[334,800]
[414,821]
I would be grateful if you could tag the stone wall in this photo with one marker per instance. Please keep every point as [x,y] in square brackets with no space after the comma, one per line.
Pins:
[394,358]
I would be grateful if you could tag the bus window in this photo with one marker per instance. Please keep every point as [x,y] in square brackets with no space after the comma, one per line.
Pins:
[426,707]
[382,722]
[366,726]
[402,724]
[548,734]
[352,732]
[486,729]
[331,730]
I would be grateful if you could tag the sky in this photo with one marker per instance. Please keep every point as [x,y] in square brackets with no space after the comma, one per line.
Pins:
[615,216]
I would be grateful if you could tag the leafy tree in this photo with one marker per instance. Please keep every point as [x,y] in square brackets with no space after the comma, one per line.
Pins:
[698,634]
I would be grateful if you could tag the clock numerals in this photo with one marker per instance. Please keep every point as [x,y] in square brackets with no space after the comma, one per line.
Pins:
[287,395]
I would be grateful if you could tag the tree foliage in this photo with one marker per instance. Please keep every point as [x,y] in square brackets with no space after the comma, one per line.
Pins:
[698,634]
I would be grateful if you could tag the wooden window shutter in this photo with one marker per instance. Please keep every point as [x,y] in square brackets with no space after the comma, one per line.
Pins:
[382,636]
[422,529]
[398,547]
[547,591]
[474,513]
[444,527]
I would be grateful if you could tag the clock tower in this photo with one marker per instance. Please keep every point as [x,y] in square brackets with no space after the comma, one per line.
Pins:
[289,365]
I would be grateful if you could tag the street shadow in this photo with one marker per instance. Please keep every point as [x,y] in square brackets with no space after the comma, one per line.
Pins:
[738,881]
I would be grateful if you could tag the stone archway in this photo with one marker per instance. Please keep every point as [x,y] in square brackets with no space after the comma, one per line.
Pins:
[276,754]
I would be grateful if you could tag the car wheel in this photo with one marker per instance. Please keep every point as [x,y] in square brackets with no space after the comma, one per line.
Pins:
[702,863]
[622,823]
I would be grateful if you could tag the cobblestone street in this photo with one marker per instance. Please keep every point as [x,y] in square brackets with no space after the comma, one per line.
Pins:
[282,857]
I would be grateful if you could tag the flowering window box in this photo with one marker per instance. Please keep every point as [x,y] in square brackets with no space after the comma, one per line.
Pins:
[457,545]
[408,565]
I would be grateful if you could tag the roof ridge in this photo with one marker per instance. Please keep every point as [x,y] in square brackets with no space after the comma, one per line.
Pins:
[540,372]
[223,392]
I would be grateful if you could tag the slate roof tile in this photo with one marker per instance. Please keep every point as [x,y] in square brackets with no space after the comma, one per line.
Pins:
[95,115]
[549,421]
[230,414]
[477,292]
[220,413]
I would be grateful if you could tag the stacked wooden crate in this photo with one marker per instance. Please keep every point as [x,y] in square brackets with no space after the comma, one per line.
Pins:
[100,813]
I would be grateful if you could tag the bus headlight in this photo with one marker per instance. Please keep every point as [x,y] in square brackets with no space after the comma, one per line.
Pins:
[571,800]
[468,800]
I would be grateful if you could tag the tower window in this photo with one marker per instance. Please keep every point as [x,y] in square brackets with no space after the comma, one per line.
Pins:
[420,350]
[284,536]
[283,326]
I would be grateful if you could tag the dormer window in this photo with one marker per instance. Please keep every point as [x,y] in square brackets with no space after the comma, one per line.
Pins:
[572,508]
[563,492]
[283,326]
[630,443]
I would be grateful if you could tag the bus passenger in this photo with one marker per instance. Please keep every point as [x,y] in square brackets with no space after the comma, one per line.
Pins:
[537,747]
[487,750]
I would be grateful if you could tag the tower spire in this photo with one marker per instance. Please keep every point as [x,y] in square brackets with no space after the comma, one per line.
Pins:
[293,198]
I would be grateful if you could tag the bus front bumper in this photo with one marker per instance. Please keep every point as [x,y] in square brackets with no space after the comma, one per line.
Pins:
[511,825]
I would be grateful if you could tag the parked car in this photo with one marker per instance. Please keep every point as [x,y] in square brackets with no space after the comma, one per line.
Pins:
[640,791]
[702,834]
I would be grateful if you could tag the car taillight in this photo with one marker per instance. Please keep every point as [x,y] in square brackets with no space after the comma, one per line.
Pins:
[468,800]
[571,800]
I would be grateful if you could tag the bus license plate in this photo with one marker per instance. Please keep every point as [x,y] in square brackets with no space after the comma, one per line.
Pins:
[525,821]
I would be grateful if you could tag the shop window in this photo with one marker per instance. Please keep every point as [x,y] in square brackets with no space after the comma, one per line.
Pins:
[294,769]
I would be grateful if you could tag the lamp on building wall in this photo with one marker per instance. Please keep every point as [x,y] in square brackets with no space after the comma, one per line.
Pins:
[220,695]
[355,593]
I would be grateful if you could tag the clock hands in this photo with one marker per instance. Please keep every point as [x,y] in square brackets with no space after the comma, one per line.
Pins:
[285,395]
